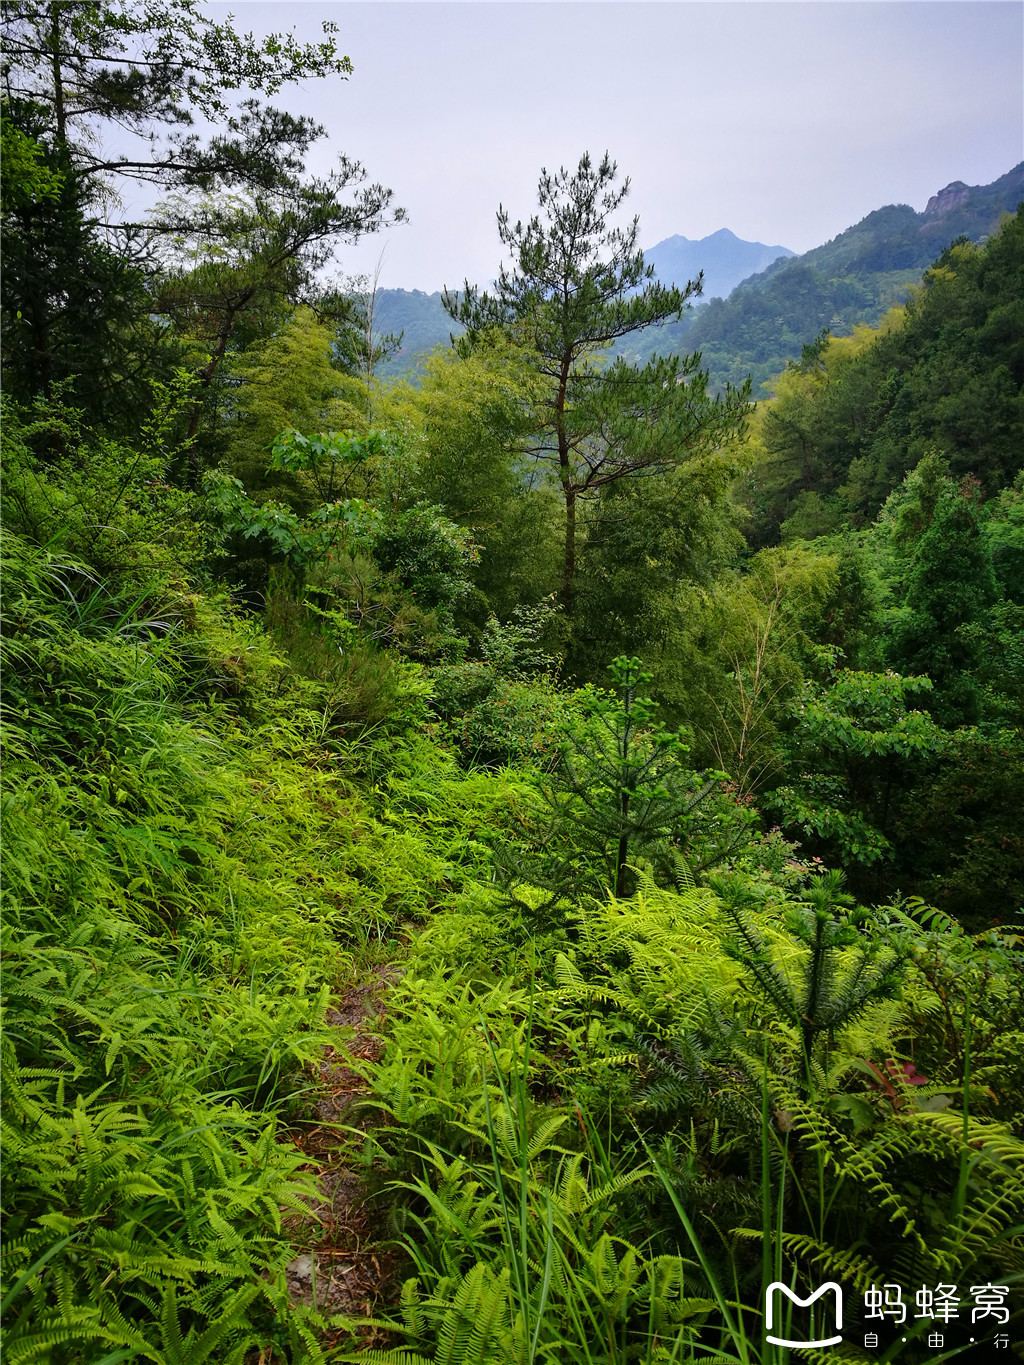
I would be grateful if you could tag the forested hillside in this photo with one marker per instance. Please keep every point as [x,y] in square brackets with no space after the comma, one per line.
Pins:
[851,280]
[760,305]
[419,320]
[855,415]
[504,864]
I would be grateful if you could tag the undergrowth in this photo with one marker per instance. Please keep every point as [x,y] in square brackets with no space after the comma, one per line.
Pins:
[606,1142]
[188,872]
[604,1123]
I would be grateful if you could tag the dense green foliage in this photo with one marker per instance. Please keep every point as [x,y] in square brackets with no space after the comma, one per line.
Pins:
[163,993]
[900,450]
[490,700]
[615,1138]
[857,414]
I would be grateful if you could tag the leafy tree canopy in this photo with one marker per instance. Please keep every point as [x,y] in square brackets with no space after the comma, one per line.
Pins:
[243,228]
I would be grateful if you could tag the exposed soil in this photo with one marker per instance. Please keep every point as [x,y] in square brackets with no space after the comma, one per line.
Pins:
[345,1268]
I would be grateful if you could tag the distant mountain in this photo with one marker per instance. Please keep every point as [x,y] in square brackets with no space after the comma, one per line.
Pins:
[419,317]
[725,259]
[777,302]
[854,278]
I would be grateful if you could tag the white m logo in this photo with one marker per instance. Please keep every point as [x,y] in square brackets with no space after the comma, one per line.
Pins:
[769,1311]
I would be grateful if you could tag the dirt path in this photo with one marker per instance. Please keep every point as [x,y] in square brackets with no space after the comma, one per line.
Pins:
[345,1269]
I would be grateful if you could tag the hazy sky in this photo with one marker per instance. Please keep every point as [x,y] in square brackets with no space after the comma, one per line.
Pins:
[785,122]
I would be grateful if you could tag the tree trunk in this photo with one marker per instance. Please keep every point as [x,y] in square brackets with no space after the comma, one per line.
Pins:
[623,852]
[58,82]
[569,566]
[205,377]
[38,321]
[568,488]
[206,374]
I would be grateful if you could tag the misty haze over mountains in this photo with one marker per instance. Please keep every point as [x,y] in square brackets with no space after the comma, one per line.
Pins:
[761,304]
[725,259]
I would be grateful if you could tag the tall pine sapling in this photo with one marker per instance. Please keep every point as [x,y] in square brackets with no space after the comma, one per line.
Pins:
[622,788]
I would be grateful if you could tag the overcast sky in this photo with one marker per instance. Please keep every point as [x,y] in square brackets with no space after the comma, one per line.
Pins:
[785,122]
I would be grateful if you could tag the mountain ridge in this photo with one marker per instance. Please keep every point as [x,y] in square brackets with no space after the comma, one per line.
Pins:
[853,278]
[725,258]
[763,321]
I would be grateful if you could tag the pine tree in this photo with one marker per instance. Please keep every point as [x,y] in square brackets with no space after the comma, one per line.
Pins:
[576,285]
[622,788]
[243,227]
[834,987]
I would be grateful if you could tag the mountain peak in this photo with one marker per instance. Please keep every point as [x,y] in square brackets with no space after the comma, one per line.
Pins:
[724,258]
[952,197]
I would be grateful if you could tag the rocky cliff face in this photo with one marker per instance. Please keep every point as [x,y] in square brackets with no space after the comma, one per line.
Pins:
[952,197]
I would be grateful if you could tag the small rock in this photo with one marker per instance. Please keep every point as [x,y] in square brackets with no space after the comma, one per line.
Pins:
[301,1268]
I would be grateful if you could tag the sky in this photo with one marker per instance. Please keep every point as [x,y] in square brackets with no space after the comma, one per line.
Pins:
[783,121]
